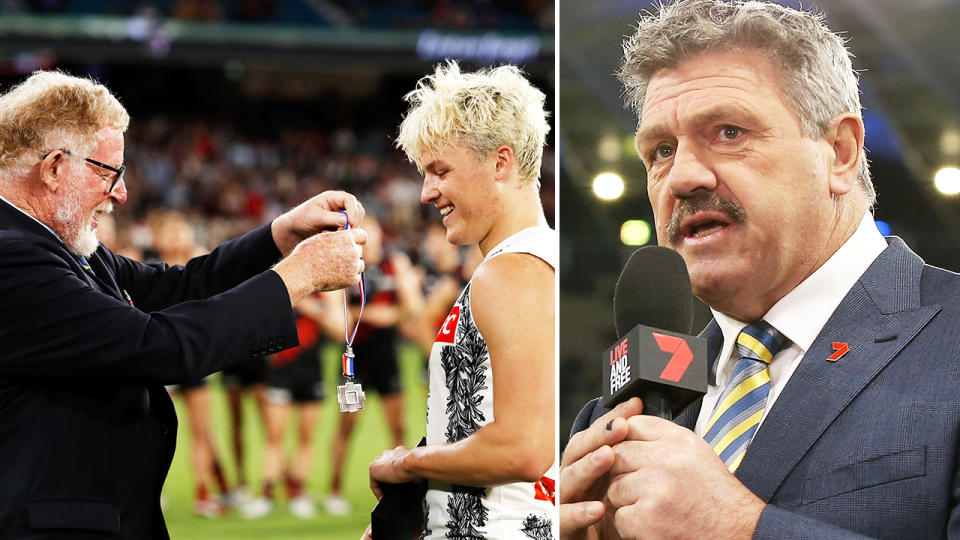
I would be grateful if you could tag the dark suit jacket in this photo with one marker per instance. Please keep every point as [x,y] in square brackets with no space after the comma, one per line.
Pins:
[866,446]
[87,430]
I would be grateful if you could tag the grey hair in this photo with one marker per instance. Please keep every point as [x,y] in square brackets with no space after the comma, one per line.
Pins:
[817,76]
[481,111]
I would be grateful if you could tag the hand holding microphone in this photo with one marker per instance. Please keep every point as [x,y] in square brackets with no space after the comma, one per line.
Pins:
[653,289]
[630,475]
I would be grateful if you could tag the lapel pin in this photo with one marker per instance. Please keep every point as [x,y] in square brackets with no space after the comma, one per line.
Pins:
[839,349]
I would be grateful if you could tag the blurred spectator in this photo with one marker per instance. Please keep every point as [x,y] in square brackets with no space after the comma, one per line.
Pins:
[441,275]
[117,241]
[175,244]
[247,377]
[461,15]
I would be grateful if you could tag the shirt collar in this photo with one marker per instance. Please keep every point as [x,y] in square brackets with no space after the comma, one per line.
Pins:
[802,313]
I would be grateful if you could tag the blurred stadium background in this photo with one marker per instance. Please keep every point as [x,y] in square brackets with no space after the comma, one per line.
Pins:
[906,53]
[240,110]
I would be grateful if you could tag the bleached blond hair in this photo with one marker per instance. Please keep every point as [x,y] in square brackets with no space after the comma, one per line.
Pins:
[49,111]
[480,111]
[817,78]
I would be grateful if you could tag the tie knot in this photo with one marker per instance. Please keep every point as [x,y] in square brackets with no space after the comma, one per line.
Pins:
[760,341]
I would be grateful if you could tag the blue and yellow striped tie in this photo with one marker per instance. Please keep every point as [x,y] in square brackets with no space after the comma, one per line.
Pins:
[740,408]
[82,261]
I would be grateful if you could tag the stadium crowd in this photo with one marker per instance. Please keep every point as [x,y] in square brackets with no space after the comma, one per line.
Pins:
[528,15]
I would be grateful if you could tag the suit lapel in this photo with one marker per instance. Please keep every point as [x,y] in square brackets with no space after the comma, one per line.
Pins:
[877,318]
[104,276]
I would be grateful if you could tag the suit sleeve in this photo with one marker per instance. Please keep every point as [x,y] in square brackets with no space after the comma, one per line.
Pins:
[158,286]
[587,415]
[54,326]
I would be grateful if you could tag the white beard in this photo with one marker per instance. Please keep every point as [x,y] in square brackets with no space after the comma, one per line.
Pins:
[76,230]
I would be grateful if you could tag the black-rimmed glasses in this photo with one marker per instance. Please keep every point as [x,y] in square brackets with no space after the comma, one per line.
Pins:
[116,180]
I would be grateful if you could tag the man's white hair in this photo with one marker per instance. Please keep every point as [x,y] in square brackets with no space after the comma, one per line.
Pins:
[51,110]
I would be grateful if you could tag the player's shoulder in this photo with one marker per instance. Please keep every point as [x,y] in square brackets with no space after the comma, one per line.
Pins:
[540,241]
[512,285]
[513,271]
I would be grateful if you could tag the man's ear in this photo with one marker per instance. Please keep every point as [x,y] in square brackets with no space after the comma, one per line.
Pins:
[845,137]
[53,170]
[504,162]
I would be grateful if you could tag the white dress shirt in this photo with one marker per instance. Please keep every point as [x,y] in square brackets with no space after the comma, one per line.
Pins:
[800,315]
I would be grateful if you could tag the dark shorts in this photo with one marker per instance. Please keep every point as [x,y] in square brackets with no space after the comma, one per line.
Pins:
[247,373]
[376,363]
[296,381]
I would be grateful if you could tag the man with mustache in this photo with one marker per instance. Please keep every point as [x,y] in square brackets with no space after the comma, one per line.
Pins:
[89,338]
[834,413]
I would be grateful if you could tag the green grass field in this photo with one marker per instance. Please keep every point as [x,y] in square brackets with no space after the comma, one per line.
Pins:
[370,438]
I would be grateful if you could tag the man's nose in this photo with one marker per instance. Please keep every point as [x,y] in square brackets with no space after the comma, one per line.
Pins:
[429,190]
[119,192]
[689,172]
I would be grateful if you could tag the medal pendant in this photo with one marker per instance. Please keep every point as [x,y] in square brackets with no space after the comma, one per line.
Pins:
[350,396]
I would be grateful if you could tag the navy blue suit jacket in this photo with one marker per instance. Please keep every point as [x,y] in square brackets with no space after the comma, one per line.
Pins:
[866,446]
[87,430]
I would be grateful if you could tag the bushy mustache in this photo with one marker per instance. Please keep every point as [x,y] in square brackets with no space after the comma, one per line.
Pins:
[701,202]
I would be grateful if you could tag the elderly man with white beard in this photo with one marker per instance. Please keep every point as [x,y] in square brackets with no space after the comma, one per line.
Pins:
[89,338]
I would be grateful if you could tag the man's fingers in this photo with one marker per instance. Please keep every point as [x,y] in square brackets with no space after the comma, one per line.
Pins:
[577,516]
[368,533]
[630,456]
[341,200]
[606,430]
[355,209]
[359,236]
[375,487]
[649,428]
[578,477]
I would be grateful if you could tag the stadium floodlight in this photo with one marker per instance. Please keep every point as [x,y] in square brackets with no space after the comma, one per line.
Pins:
[608,186]
[947,180]
[609,148]
[635,232]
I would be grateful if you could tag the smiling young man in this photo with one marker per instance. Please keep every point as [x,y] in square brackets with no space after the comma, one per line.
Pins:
[490,456]
[834,411]
[89,338]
